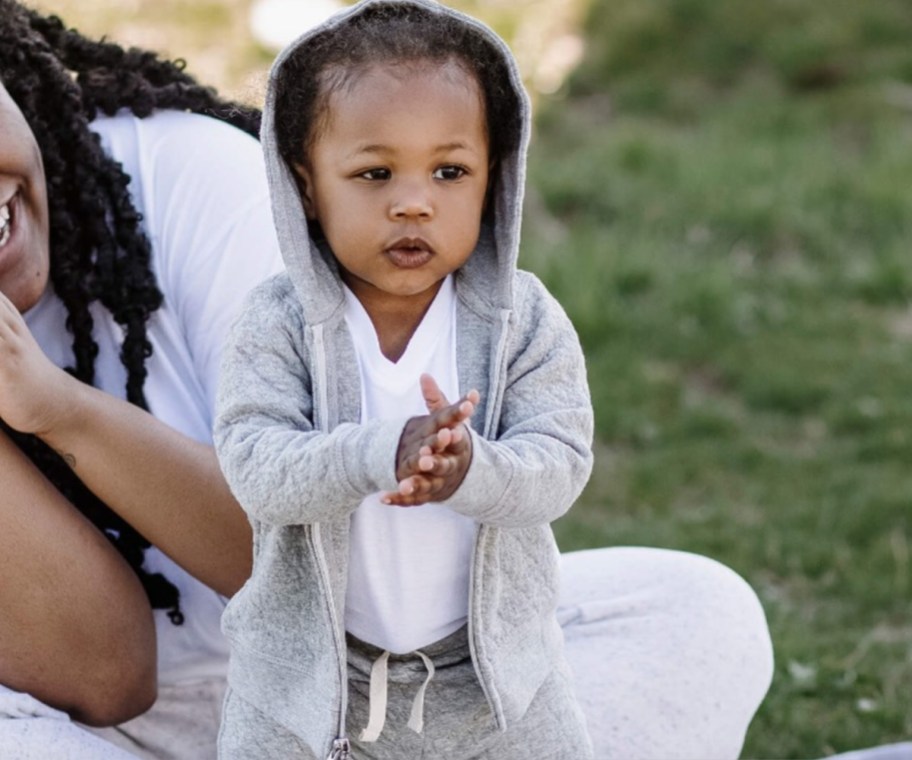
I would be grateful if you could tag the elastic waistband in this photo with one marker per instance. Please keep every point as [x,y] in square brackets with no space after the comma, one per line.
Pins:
[446,651]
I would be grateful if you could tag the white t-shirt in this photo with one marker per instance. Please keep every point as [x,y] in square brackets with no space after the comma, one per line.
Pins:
[200,186]
[408,577]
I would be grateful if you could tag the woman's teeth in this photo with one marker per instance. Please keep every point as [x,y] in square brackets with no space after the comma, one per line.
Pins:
[5,226]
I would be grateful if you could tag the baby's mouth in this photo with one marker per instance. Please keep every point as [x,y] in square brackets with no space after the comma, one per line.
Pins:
[409,253]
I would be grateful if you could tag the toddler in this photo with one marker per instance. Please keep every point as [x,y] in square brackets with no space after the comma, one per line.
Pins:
[402,413]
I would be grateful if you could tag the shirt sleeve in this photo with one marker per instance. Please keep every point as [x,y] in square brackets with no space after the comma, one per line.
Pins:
[281,468]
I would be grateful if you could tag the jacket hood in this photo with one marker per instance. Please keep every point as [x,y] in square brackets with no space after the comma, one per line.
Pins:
[488,272]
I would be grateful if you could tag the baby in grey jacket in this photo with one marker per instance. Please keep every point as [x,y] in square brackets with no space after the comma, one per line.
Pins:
[405,573]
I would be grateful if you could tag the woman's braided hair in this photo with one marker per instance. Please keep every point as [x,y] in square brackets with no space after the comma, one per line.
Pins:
[98,252]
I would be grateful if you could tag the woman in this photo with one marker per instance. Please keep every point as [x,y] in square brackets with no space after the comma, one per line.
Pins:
[133,220]
[127,244]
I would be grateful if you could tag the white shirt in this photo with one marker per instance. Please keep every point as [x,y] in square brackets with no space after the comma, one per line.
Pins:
[200,186]
[408,577]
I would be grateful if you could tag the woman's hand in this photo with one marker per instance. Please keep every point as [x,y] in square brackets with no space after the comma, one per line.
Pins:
[33,390]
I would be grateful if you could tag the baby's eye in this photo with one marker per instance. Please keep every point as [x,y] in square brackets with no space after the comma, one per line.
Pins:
[449,172]
[375,174]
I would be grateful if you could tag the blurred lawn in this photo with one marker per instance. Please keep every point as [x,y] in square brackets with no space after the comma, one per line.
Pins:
[722,199]
[721,196]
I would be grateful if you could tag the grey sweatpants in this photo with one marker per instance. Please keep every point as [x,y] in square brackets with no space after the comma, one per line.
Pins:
[458,724]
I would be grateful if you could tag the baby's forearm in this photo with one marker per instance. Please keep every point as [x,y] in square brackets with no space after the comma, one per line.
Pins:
[518,482]
[283,476]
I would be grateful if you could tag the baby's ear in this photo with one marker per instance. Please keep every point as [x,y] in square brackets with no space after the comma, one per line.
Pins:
[305,185]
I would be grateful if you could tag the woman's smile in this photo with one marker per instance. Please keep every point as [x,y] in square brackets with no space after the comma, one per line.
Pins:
[8,220]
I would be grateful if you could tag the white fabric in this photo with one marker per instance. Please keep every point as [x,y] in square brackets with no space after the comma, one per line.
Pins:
[183,725]
[30,730]
[670,652]
[408,578]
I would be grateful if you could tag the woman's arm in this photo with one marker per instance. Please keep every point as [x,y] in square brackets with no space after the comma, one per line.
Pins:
[166,485]
[76,629]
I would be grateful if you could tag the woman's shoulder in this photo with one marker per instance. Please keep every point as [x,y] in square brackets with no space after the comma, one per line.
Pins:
[171,143]
[168,123]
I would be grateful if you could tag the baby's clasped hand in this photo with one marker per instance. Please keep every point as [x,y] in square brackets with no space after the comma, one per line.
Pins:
[434,449]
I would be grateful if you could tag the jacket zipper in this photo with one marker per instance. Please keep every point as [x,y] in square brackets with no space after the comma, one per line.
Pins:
[341,747]
[495,396]
[341,750]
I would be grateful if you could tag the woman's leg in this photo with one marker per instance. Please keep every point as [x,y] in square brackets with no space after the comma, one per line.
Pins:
[670,651]
[30,730]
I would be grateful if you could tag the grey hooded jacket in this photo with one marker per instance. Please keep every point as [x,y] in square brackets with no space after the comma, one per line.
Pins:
[298,459]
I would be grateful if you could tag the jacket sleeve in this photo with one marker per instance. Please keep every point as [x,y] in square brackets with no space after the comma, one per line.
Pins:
[280,467]
[536,465]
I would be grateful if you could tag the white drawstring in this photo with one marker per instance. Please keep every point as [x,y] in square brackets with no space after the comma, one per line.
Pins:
[377,700]
[416,719]
[378,696]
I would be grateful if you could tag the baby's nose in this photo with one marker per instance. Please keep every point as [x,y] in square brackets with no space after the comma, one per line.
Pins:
[413,201]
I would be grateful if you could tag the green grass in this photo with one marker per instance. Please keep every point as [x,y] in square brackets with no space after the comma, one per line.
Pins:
[734,248]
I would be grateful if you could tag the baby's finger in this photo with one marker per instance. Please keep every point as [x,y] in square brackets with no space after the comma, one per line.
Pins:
[455,414]
[441,467]
[421,490]
[405,489]
[437,442]
[434,398]
[434,465]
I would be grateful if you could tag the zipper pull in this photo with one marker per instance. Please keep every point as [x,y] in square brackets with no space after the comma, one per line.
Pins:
[341,749]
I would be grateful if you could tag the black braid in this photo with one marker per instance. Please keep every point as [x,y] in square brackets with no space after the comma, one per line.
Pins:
[61,80]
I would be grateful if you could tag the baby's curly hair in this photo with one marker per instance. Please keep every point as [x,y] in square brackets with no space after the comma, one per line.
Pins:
[393,34]
[98,251]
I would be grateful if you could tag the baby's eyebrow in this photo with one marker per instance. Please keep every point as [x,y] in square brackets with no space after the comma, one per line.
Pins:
[370,148]
[380,148]
[457,145]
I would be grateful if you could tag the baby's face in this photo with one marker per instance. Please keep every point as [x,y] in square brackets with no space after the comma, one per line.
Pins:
[397,177]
